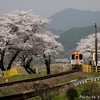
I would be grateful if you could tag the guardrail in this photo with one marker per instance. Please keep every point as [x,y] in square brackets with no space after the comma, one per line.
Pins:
[78,82]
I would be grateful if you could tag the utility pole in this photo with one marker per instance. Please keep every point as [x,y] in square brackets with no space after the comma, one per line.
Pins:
[95,31]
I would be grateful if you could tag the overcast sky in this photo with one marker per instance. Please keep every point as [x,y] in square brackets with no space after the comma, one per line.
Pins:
[46,8]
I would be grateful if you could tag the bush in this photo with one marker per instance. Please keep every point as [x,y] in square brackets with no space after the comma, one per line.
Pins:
[91,89]
[71,93]
[41,89]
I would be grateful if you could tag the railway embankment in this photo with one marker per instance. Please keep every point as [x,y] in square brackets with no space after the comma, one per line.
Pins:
[33,93]
[25,88]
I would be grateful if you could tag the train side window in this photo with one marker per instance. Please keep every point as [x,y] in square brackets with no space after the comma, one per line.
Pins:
[80,56]
[73,56]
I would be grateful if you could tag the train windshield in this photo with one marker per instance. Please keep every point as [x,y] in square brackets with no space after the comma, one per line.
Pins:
[73,56]
[80,56]
[77,56]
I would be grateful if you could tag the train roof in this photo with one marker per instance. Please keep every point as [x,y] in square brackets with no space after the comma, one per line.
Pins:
[76,53]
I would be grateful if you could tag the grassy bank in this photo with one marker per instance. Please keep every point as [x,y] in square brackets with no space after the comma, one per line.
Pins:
[42,71]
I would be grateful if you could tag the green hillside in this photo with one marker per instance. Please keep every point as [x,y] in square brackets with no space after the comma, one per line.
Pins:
[70,38]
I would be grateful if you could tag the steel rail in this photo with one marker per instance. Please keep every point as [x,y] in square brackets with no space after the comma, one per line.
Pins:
[33,93]
[37,79]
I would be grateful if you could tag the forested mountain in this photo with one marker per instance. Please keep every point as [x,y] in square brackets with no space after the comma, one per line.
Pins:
[70,18]
[70,38]
[57,32]
[76,24]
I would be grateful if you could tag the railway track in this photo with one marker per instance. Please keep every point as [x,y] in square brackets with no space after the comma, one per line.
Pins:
[33,93]
[37,79]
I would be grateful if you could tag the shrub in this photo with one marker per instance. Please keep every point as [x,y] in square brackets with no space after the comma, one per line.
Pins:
[71,93]
[91,89]
[41,89]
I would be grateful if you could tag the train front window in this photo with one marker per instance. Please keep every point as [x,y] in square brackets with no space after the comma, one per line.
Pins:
[80,56]
[73,56]
[76,57]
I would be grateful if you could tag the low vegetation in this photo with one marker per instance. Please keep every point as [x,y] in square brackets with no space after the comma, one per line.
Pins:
[59,95]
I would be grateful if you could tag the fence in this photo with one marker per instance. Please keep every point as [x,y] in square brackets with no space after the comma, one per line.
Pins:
[11,72]
[89,68]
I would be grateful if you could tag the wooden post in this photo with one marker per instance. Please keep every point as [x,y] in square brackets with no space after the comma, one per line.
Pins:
[95,31]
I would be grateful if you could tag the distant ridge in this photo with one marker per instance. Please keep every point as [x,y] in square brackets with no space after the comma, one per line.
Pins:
[70,18]
[70,38]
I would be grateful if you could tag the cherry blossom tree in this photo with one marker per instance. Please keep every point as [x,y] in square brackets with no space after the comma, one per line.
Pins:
[5,37]
[65,60]
[24,36]
[43,46]
[88,44]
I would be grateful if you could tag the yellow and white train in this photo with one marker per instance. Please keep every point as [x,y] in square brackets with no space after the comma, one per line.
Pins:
[76,60]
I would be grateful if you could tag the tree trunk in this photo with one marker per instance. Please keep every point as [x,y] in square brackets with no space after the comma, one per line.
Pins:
[27,66]
[47,63]
[1,61]
[28,71]
[32,71]
[12,59]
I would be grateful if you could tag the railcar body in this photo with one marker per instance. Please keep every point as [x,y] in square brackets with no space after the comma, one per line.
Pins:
[76,60]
